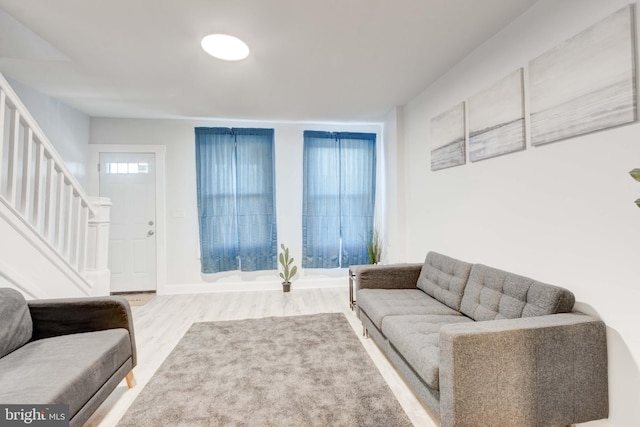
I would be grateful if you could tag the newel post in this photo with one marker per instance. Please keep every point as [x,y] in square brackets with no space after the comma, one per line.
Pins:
[97,270]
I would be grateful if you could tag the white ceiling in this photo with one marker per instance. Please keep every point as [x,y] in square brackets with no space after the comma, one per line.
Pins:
[322,60]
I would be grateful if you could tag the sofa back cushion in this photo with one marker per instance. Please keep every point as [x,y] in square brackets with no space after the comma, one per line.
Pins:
[444,278]
[15,321]
[496,294]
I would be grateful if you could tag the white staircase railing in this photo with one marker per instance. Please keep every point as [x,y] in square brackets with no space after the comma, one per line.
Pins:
[36,185]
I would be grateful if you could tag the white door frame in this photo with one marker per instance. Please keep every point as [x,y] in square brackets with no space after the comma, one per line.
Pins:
[94,188]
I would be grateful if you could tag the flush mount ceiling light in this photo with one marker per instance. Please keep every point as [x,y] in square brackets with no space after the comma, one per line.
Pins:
[225,47]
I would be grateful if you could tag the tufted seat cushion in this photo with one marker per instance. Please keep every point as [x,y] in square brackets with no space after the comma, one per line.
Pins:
[417,339]
[380,303]
[495,294]
[444,278]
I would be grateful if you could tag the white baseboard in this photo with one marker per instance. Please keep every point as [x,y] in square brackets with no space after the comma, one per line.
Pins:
[252,286]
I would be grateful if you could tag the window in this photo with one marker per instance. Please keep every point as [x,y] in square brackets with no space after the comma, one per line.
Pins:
[127,168]
[236,199]
[338,198]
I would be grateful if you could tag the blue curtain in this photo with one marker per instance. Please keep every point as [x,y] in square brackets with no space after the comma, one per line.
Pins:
[255,192]
[215,170]
[236,199]
[338,198]
[357,195]
[321,201]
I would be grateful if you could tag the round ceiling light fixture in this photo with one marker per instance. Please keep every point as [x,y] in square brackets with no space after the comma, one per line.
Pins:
[223,46]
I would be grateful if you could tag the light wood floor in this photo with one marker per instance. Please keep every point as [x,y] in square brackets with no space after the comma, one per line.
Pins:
[162,322]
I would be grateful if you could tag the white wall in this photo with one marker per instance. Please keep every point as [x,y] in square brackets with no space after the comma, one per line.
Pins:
[561,213]
[392,219]
[66,127]
[183,265]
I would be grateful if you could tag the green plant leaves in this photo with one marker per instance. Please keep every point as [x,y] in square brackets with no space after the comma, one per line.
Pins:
[374,247]
[286,262]
[635,174]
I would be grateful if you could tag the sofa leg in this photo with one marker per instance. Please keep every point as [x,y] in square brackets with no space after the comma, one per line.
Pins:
[365,332]
[131,380]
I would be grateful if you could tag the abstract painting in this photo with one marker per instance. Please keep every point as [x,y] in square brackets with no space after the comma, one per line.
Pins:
[496,119]
[587,83]
[447,138]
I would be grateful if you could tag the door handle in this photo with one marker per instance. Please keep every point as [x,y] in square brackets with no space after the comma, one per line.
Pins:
[150,233]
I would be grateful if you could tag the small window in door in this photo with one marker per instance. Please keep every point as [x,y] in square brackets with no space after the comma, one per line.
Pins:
[127,168]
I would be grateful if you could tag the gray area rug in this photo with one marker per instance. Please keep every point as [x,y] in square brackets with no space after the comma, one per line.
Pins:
[277,371]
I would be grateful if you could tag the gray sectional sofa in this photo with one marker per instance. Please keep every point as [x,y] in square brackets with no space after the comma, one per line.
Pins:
[64,351]
[484,347]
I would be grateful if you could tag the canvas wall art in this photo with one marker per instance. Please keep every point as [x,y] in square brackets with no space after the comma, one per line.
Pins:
[448,139]
[496,119]
[587,83]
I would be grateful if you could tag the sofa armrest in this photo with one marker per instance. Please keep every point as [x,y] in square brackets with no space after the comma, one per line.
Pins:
[393,276]
[54,317]
[547,370]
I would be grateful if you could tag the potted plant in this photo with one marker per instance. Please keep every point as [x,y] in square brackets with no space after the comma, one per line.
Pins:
[288,270]
[636,175]
[374,247]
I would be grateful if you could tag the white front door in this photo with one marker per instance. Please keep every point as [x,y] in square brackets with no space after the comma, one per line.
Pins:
[129,180]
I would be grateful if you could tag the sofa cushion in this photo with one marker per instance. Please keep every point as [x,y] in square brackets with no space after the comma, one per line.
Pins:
[417,339]
[15,319]
[496,294]
[379,303]
[67,369]
[444,278]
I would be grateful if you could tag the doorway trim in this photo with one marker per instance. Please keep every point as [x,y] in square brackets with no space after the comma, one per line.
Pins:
[94,188]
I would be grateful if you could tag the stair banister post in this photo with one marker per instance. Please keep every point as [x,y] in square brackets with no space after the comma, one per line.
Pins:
[97,258]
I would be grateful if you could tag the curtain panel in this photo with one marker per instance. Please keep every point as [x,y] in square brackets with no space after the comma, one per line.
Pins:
[338,198]
[357,195]
[321,201]
[235,171]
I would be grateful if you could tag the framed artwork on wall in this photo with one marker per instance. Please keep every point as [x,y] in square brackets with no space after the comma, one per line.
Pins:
[448,138]
[496,119]
[587,83]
